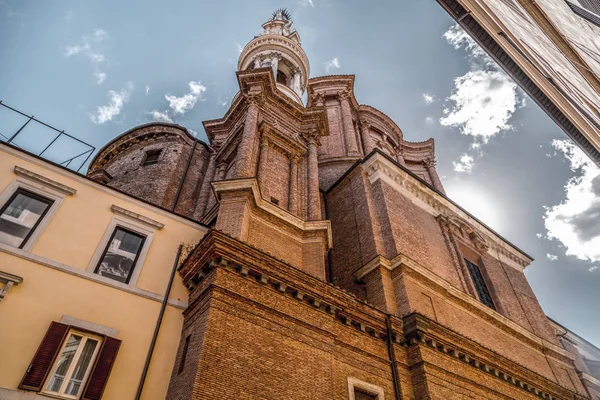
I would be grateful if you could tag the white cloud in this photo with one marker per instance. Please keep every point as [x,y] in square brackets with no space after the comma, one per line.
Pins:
[147,89]
[240,48]
[484,99]
[593,268]
[160,116]
[428,99]
[100,77]
[86,48]
[465,164]
[183,104]
[307,3]
[483,103]
[99,35]
[552,257]
[575,222]
[429,120]
[333,63]
[116,100]
[539,235]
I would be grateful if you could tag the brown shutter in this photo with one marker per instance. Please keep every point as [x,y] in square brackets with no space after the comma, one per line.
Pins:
[44,357]
[99,375]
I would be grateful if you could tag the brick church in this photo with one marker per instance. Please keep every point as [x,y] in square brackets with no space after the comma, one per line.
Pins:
[335,266]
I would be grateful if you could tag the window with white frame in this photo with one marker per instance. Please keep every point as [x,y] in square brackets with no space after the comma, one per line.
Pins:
[73,365]
[26,206]
[121,255]
[122,250]
[21,215]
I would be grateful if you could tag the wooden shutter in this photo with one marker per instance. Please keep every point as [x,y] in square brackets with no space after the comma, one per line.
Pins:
[44,357]
[99,375]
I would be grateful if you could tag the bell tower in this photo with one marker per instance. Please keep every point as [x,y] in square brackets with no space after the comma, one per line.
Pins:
[263,182]
[278,48]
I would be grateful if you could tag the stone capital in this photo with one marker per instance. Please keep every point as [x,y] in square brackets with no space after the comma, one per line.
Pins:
[312,137]
[255,98]
[345,95]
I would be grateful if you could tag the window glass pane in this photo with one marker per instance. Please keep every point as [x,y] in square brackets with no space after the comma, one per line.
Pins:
[480,286]
[82,366]
[64,362]
[362,395]
[120,256]
[20,216]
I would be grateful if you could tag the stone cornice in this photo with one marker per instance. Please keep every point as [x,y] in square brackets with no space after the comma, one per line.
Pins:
[140,218]
[32,176]
[464,300]
[217,250]
[139,134]
[82,179]
[420,330]
[285,216]
[590,379]
[269,42]
[375,117]
[379,167]
[260,82]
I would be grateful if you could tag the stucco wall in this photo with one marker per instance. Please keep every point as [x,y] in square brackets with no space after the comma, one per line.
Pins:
[56,282]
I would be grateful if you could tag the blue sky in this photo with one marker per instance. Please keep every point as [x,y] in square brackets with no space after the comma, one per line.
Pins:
[96,69]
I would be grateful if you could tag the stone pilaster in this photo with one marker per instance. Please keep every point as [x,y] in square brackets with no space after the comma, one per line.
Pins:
[221,172]
[206,190]
[349,133]
[400,157]
[262,167]
[246,148]
[367,140]
[435,179]
[293,195]
[275,64]
[314,203]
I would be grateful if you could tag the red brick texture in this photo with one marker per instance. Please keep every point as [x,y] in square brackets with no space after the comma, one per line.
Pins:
[262,321]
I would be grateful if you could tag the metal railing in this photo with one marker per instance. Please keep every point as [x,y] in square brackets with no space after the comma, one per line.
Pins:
[30,136]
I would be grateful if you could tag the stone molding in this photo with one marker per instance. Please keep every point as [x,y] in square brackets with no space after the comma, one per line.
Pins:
[32,176]
[89,326]
[219,251]
[419,330]
[135,216]
[268,42]
[81,273]
[354,383]
[9,280]
[371,116]
[459,297]
[251,184]
[214,251]
[590,379]
[82,179]
[378,167]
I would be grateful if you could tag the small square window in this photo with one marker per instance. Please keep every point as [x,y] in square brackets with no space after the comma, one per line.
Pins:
[151,157]
[72,368]
[121,254]
[21,215]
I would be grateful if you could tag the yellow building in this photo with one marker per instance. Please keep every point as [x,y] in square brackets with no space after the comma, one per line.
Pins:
[83,273]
